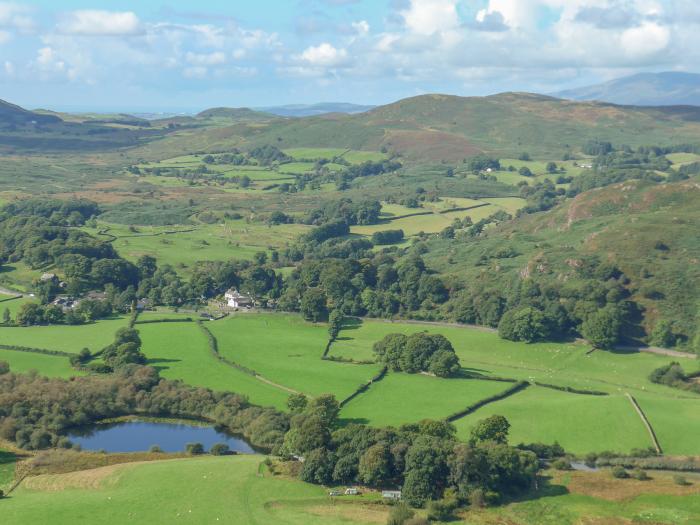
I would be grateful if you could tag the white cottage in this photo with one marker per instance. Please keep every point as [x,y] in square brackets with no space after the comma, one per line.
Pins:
[238,300]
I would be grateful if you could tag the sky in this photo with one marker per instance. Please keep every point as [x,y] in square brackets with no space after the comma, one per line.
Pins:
[184,56]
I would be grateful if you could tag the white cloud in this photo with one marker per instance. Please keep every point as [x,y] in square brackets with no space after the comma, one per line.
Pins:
[324,55]
[206,59]
[426,17]
[361,27]
[647,39]
[9,68]
[93,22]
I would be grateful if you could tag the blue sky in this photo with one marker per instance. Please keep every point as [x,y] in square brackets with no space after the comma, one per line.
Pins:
[153,55]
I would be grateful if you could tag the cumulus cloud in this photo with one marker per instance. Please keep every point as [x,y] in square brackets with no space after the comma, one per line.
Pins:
[93,22]
[647,39]
[325,55]
[426,17]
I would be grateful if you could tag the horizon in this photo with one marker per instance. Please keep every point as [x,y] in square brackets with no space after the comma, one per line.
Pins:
[184,57]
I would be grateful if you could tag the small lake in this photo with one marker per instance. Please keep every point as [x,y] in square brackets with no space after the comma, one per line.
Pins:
[141,435]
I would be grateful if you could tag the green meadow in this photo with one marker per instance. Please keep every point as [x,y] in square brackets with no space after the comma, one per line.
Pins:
[580,423]
[66,338]
[223,490]
[180,351]
[46,365]
[287,350]
[406,398]
[676,422]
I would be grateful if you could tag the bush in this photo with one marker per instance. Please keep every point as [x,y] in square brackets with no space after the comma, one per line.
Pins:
[442,510]
[619,473]
[562,464]
[387,237]
[400,514]
[155,449]
[194,448]
[681,480]
[219,449]
[640,474]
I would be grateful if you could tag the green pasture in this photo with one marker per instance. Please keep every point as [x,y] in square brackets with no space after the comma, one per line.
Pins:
[66,338]
[358,157]
[14,305]
[314,153]
[407,398]
[46,365]
[676,423]
[234,239]
[509,204]
[580,423]
[181,351]
[7,468]
[296,168]
[679,159]
[431,223]
[18,275]
[225,489]
[287,350]
[482,351]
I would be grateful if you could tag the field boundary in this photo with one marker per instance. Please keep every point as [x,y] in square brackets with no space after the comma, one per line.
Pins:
[520,385]
[364,387]
[646,422]
[11,298]
[31,350]
[571,390]
[165,320]
[214,349]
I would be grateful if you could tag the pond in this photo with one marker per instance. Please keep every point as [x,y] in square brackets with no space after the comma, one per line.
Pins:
[140,435]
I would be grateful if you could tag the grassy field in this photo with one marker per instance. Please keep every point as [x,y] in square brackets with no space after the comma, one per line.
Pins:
[679,159]
[66,338]
[287,350]
[180,351]
[198,490]
[579,423]
[675,421]
[7,468]
[47,365]
[234,239]
[406,398]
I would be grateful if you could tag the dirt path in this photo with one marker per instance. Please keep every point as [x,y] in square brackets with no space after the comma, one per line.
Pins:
[276,385]
[646,422]
[658,351]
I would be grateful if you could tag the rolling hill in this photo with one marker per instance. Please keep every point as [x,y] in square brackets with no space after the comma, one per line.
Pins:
[644,89]
[310,110]
[450,128]
[13,115]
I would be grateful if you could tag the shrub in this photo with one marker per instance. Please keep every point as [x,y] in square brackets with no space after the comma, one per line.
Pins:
[155,449]
[681,480]
[219,449]
[562,464]
[619,473]
[400,514]
[442,510]
[194,448]
[640,474]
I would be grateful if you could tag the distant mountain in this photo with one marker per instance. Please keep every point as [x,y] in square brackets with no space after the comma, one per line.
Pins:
[12,115]
[644,89]
[233,114]
[312,110]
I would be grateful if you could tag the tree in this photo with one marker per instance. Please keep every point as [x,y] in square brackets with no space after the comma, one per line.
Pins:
[525,156]
[146,266]
[335,322]
[4,367]
[602,327]
[662,334]
[219,449]
[400,514]
[6,317]
[313,305]
[29,314]
[375,466]
[524,171]
[296,403]
[326,407]
[318,467]
[552,167]
[525,324]
[194,448]
[494,428]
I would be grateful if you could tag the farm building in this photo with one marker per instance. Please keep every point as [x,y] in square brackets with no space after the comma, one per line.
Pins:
[391,494]
[234,299]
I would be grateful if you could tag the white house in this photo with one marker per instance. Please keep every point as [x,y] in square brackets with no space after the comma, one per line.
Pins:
[391,494]
[238,300]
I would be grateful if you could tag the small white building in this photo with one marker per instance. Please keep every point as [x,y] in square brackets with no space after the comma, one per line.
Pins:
[352,491]
[391,494]
[234,299]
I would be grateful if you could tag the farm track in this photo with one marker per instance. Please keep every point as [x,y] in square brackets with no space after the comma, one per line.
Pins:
[646,422]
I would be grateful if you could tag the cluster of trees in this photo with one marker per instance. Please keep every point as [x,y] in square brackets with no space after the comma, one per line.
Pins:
[673,375]
[347,211]
[420,352]
[387,237]
[86,311]
[425,459]
[269,154]
[366,169]
[596,305]
[125,350]
[37,412]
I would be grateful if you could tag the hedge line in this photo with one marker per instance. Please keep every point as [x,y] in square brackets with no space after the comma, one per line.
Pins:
[340,359]
[36,350]
[365,386]
[653,463]
[490,378]
[10,298]
[214,349]
[571,390]
[166,320]
[327,349]
[517,387]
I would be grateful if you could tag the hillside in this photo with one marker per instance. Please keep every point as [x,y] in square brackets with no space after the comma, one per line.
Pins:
[233,114]
[12,115]
[647,230]
[450,128]
[644,89]
[310,110]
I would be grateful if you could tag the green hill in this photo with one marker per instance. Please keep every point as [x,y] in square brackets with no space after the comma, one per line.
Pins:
[13,115]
